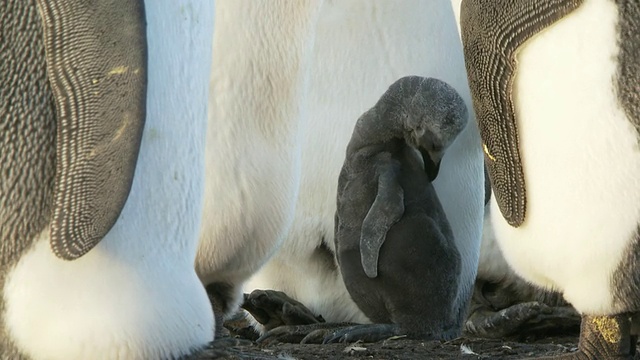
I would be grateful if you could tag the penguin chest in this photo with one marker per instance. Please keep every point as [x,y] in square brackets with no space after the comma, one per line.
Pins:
[580,157]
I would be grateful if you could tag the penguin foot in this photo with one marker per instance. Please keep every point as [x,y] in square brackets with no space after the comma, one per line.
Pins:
[303,334]
[499,311]
[274,309]
[603,337]
[529,317]
[368,333]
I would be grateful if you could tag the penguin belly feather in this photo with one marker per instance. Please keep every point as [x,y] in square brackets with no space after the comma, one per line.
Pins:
[354,41]
[581,161]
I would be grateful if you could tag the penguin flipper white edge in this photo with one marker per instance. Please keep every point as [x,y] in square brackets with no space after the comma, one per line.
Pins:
[96,64]
[386,210]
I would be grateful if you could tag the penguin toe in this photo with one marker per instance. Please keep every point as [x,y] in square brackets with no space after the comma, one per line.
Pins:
[309,333]
[514,309]
[316,336]
[368,333]
[522,319]
[285,334]
[486,322]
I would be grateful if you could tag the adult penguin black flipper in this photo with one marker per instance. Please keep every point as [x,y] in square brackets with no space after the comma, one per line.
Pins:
[386,210]
[503,25]
[96,65]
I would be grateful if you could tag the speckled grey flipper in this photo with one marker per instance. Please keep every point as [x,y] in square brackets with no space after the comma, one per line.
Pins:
[492,32]
[386,210]
[96,65]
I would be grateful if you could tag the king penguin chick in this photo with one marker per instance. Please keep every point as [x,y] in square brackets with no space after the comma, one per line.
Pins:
[394,245]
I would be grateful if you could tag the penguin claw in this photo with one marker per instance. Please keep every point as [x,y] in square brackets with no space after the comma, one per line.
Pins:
[368,333]
[286,334]
[308,334]
[274,309]
[316,336]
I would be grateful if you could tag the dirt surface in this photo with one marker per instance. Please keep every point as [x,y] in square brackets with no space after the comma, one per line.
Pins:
[535,339]
[401,349]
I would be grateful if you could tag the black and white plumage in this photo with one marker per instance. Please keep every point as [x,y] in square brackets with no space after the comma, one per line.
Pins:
[555,91]
[96,67]
[96,262]
[394,244]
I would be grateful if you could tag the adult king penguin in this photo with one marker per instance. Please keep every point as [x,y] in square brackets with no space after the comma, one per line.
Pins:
[555,88]
[261,56]
[97,263]
[360,47]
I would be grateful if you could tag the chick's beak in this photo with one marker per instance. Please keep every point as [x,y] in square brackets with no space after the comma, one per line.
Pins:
[431,163]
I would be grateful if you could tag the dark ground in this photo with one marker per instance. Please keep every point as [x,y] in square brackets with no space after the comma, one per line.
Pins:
[549,333]
[532,344]
[401,349]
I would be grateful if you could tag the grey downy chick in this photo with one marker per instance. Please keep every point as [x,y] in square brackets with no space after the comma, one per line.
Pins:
[394,245]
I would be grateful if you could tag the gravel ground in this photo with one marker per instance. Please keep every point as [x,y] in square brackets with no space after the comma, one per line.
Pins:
[404,349]
[530,345]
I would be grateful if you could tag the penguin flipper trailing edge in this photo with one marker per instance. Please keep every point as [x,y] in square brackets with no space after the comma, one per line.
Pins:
[92,64]
[494,109]
[386,210]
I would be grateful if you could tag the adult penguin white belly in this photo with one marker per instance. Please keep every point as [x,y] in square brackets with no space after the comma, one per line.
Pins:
[361,47]
[261,56]
[71,134]
[504,304]
[555,87]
